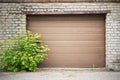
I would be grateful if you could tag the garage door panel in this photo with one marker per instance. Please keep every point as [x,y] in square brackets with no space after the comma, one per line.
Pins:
[67,30]
[76,50]
[81,24]
[74,40]
[67,18]
[73,37]
[75,43]
[74,60]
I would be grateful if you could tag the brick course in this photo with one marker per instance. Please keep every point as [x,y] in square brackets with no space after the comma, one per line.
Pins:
[28,1]
[12,15]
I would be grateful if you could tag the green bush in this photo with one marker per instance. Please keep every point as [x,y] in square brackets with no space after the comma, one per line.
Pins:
[24,53]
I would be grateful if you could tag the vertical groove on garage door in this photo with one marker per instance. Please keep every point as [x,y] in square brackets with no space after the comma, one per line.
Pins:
[75,40]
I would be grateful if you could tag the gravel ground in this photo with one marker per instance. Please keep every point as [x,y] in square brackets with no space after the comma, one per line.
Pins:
[61,75]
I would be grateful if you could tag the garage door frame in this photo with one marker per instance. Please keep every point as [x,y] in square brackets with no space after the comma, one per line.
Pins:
[72,13]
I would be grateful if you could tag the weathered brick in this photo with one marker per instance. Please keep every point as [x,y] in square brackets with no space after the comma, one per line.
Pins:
[12,16]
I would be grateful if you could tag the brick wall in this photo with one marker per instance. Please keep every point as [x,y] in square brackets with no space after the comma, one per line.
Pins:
[28,1]
[12,15]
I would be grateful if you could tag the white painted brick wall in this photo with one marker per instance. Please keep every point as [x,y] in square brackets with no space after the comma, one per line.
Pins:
[11,17]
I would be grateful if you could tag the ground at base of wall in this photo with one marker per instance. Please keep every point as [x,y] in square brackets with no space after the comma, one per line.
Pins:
[50,74]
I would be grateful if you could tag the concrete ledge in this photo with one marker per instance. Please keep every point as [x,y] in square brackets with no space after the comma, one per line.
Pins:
[76,69]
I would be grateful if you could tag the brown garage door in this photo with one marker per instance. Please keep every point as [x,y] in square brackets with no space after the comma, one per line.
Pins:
[75,40]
